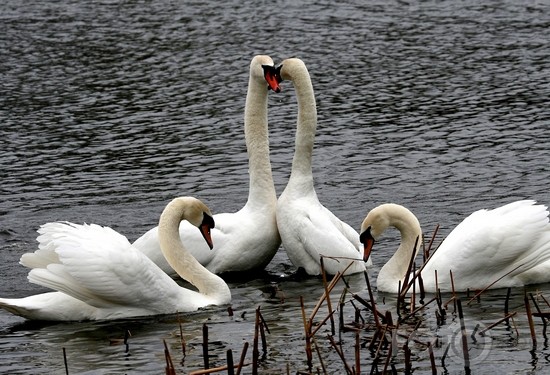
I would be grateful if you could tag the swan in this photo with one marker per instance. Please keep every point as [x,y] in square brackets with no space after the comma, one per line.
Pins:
[510,244]
[99,275]
[308,229]
[248,239]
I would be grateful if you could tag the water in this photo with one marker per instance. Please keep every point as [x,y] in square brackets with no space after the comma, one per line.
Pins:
[109,109]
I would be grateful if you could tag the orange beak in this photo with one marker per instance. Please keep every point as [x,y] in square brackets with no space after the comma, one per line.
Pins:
[367,240]
[367,248]
[273,77]
[205,231]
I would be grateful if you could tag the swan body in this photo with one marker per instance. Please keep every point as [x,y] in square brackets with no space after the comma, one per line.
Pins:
[308,229]
[510,244]
[98,274]
[247,239]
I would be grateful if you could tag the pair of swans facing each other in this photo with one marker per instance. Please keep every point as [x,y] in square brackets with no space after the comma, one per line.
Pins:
[508,246]
[249,238]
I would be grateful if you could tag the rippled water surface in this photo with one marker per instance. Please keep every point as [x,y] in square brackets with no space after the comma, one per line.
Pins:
[109,109]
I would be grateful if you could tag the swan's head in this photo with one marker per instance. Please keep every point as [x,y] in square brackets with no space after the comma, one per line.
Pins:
[262,66]
[381,218]
[291,68]
[372,228]
[195,212]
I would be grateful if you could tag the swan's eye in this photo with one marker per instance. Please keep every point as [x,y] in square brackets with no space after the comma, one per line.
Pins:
[366,235]
[208,220]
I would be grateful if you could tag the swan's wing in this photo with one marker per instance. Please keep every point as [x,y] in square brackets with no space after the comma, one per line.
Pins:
[490,243]
[318,232]
[345,229]
[97,265]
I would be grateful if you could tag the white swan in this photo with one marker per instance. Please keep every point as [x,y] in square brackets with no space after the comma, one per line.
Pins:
[510,243]
[308,229]
[247,239]
[98,274]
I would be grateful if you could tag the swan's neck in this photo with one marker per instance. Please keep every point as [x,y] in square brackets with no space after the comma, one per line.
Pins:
[262,188]
[181,260]
[305,130]
[396,268]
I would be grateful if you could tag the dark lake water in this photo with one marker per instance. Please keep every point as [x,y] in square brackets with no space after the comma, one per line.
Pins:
[108,109]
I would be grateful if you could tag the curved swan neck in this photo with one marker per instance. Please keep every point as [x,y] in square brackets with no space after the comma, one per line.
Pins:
[179,258]
[409,227]
[296,71]
[262,188]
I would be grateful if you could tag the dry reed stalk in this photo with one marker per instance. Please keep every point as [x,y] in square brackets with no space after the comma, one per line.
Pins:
[445,354]
[441,313]
[255,351]
[340,354]
[382,339]
[263,328]
[453,288]
[377,314]
[329,288]
[452,299]
[408,362]
[65,361]
[413,296]
[530,320]
[182,340]
[427,251]
[307,331]
[170,369]
[406,285]
[329,305]
[230,369]
[432,358]
[341,326]
[322,323]
[410,337]
[319,355]
[465,353]
[243,356]
[205,346]
[540,314]
[375,335]
[421,287]
[545,300]
[412,313]
[419,272]
[372,306]
[507,300]
[493,283]
[506,318]
[535,304]
[358,315]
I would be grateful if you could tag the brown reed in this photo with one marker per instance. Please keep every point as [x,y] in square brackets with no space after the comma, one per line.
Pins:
[170,369]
